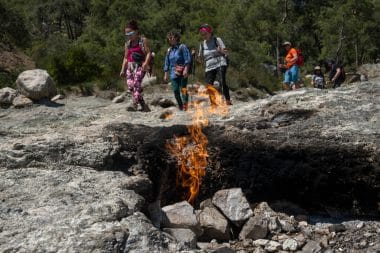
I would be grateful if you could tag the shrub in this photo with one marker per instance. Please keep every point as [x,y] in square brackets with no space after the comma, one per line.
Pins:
[72,67]
[7,79]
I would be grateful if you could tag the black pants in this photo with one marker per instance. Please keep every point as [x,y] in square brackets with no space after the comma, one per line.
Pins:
[210,77]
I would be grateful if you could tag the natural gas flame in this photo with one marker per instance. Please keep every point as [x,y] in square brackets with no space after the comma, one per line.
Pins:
[166,115]
[218,105]
[191,150]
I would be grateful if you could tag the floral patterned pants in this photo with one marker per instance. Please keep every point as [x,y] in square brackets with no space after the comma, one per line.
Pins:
[135,75]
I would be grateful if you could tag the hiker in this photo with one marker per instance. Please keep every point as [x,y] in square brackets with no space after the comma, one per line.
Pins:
[177,64]
[337,75]
[135,63]
[318,79]
[291,75]
[214,54]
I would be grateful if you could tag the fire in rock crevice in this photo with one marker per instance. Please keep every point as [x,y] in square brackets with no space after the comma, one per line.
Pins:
[191,151]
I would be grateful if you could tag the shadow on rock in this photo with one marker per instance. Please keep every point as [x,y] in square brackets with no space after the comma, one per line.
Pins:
[48,103]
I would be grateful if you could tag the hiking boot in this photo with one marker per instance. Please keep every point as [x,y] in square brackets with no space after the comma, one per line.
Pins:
[144,107]
[228,102]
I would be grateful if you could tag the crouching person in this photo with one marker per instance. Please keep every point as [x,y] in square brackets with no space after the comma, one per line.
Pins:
[317,79]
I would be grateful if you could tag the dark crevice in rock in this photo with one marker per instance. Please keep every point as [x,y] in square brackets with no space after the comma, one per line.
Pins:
[319,175]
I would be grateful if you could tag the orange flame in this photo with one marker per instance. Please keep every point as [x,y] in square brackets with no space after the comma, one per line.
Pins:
[191,151]
[218,105]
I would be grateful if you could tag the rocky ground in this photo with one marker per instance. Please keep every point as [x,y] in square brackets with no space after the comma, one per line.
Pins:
[83,174]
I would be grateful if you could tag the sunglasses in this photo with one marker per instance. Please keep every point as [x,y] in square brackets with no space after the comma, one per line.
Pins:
[204,26]
[131,33]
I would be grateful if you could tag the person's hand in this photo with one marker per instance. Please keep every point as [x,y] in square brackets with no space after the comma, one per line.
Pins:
[145,66]
[185,73]
[166,77]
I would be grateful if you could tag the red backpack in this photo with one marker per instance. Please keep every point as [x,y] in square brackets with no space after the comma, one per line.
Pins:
[301,59]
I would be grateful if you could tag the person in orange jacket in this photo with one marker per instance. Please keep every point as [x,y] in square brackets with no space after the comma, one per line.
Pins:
[291,75]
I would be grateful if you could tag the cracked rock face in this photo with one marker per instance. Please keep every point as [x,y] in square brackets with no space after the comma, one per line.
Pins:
[72,208]
[79,177]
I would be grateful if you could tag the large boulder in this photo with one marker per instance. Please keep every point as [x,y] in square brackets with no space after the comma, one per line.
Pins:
[36,84]
[370,70]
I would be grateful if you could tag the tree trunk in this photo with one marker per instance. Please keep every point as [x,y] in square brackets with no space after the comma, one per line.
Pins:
[285,11]
[278,55]
[356,54]
[340,41]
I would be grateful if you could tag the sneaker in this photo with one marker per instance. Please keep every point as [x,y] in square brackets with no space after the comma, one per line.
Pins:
[185,107]
[228,102]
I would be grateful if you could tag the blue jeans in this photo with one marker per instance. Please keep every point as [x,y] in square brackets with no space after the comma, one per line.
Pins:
[291,76]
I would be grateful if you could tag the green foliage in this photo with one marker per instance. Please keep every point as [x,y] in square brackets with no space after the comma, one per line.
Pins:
[73,67]
[12,28]
[83,40]
[7,79]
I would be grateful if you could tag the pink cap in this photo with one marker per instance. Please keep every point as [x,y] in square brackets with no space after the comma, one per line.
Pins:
[205,28]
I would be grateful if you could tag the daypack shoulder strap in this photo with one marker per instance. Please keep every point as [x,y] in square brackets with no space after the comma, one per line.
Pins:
[141,43]
[201,48]
[216,41]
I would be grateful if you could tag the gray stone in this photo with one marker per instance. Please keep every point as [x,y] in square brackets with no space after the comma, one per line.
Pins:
[21,101]
[36,84]
[273,246]
[311,247]
[264,209]
[370,70]
[118,99]
[233,204]
[185,238]
[57,97]
[337,228]
[274,225]
[214,224]
[260,242]
[289,225]
[180,215]
[223,249]
[255,228]
[290,244]
[163,102]
[7,95]
[144,237]
[206,203]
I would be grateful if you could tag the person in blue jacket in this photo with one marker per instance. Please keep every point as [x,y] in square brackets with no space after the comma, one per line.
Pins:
[177,64]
